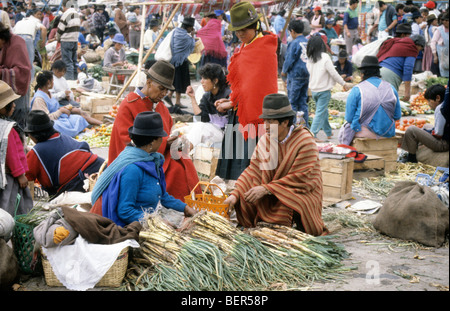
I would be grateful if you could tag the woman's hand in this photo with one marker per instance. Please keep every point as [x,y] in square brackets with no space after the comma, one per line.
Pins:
[189,211]
[347,86]
[190,91]
[64,110]
[223,105]
[23,181]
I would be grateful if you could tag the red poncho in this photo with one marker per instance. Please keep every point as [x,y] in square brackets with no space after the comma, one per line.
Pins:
[397,47]
[253,74]
[181,175]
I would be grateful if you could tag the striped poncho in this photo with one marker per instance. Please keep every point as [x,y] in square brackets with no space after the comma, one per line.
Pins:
[295,184]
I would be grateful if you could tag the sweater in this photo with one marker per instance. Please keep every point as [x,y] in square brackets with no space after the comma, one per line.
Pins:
[140,192]
[69,26]
[323,75]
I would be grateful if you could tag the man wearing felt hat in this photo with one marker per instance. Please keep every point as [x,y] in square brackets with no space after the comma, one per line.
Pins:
[372,106]
[283,185]
[181,176]
[135,183]
[59,162]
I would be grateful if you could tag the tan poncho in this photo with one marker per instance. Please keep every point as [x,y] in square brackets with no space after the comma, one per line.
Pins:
[295,184]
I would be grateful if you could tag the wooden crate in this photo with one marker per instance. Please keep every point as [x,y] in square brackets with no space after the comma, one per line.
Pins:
[373,166]
[383,147]
[205,161]
[337,178]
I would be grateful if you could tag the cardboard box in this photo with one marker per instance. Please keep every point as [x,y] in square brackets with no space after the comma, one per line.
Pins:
[205,161]
[102,105]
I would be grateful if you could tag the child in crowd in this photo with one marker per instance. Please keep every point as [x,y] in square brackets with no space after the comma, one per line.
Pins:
[357,46]
[93,40]
[437,138]
[86,81]
[61,90]
[323,77]
[13,161]
[344,67]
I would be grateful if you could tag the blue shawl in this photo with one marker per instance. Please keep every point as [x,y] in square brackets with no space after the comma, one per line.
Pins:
[128,156]
[182,45]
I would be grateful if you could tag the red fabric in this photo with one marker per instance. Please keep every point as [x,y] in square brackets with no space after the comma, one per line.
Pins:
[15,67]
[15,155]
[211,36]
[97,207]
[253,74]
[69,167]
[397,47]
[181,175]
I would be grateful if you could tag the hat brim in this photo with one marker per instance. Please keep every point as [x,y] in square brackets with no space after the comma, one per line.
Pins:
[370,66]
[120,42]
[9,100]
[153,133]
[278,116]
[38,128]
[234,28]
[167,86]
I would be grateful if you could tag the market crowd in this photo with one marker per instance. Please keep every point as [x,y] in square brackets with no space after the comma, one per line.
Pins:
[239,57]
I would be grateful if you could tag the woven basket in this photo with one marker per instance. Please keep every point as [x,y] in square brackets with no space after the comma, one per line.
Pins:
[23,243]
[112,278]
[94,177]
[207,200]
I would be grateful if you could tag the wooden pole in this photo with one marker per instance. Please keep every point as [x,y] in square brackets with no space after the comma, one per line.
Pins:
[265,18]
[287,21]
[149,51]
[141,45]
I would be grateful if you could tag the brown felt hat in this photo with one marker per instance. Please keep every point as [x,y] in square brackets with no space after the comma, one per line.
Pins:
[162,72]
[276,106]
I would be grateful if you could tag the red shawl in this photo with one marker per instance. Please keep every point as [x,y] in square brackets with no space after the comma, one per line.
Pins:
[253,74]
[181,175]
[397,47]
[15,67]
[294,178]
[211,36]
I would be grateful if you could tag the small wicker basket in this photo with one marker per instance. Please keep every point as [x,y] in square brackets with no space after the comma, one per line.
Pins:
[207,200]
[112,278]
[93,177]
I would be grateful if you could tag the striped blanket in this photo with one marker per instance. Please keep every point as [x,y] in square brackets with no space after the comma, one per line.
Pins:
[295,184]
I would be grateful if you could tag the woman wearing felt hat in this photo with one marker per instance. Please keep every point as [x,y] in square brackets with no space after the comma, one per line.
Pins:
[135,183]
[57,161]
[253,74]
[13,181]
[180,173]
[372,106]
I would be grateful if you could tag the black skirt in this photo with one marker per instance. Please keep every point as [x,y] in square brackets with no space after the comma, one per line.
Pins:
[236,152]
[182,78]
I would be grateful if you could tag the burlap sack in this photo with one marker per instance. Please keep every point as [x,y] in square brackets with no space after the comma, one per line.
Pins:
[413,212]
[9,267]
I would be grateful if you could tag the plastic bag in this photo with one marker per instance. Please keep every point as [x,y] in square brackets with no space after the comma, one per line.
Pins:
[164,52]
